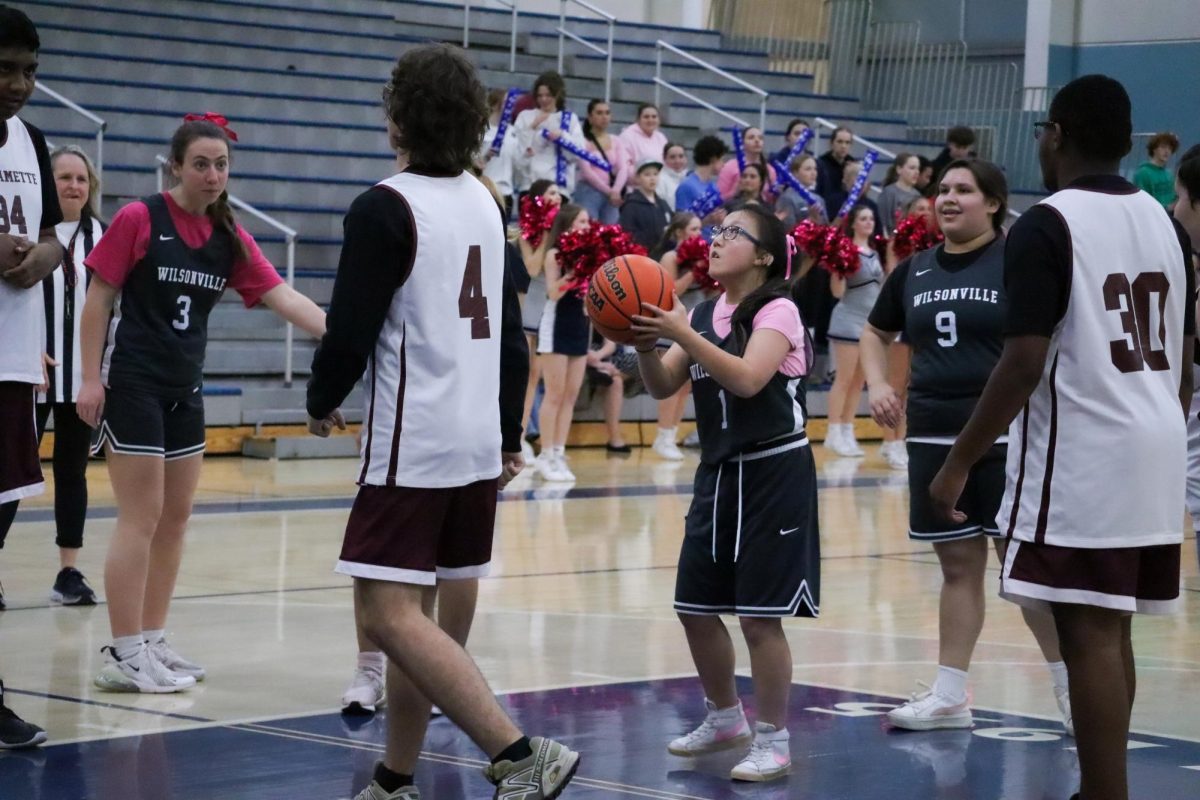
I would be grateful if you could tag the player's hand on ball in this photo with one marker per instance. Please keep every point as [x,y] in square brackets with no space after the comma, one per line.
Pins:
[324,427]
[945,491]
[90,403]
[660,324]
[886,408]
[512,464]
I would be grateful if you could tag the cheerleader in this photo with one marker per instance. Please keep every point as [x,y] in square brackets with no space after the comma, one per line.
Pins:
[562,346]
[856,294]
[534,300]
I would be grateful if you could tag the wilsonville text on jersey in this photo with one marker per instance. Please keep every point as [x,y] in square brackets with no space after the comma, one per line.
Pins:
[191,277]
[966,293]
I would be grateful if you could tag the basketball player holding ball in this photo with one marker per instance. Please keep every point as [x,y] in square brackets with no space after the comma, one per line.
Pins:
[751,544]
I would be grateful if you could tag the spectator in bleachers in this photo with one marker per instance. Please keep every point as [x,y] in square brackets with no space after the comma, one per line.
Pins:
[1153,176]
[613,369]
[539,155]
[794,130]
[831,167]
[707,155]
[674,170]
[601,191]
[899,190]
[791,208]
[644,213]
[499,164]
[959,141]
[729,178]
[749,188]
[644,138]
[849,176]
[925,184]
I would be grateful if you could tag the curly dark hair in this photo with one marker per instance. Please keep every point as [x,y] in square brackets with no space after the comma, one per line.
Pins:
[438,106]
[555,85]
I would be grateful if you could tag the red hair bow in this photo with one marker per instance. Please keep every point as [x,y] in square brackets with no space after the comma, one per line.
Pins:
[216,119]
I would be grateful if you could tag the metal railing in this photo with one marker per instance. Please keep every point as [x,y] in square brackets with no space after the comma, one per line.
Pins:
[660,82]
[512,41]
[101,126]
[290,236]
[564,34]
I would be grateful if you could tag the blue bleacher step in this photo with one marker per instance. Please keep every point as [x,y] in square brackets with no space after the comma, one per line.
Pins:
[294,447]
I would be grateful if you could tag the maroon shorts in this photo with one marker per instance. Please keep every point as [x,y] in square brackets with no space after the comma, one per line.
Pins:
[20,469]
[1129,579]
[410,535]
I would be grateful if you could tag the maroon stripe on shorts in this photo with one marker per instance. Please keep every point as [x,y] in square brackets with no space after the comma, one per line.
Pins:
[391,476]
[1044,510]
[1012,517]
[1145,573]
[362,477]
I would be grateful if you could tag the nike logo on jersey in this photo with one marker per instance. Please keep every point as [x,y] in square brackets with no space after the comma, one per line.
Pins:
[782,532]
[162,238]
[921,272]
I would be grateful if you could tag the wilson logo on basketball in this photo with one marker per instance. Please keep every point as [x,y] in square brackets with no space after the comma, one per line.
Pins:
[610,274]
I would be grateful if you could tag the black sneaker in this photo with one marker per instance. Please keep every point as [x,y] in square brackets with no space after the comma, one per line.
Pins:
[16,732]
[71,589]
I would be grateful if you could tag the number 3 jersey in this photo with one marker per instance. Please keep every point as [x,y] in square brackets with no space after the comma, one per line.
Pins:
[950,307]
[170,268]
[1096,459]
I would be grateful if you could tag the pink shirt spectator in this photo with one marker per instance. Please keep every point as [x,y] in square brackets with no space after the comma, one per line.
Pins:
[780,315]
[125,242]
[728,177]
[643,147]
[617,155]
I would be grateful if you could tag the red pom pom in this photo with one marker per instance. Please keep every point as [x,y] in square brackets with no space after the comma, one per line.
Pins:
[912,235]
[583,252]
[828,246]
[692,255]
[536,217]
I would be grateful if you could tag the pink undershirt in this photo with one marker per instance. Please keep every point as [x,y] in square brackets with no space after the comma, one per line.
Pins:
[780,315]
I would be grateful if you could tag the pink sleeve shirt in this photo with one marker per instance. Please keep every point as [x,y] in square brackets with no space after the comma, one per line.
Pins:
[125,242]
[618,157]
[643,147]
[780,315]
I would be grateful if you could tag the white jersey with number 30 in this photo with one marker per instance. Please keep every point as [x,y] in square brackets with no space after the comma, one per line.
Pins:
[1097,457]
[432,385]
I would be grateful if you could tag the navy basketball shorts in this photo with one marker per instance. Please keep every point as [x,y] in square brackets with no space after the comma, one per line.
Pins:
[1143,580]
[416,535]
[20,468]
[751,544]
[980,499]
[139,423]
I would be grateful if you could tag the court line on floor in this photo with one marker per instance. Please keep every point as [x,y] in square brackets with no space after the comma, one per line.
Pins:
[344,502]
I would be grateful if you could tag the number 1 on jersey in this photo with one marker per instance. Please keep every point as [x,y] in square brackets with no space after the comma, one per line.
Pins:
[472,304]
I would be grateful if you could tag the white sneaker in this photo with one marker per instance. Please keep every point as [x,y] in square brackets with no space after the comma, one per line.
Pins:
[375,792]
[543,465]
[722,729]
[1063,698]
[770,756]
[175,662]
[833,437]
[929,711]
[849,443]
[562,473]
[666,448]
[692,439]
[527,452]
[367,692]
[141,672]
[894,454]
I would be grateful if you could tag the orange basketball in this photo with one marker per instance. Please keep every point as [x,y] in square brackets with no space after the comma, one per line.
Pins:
[618,289]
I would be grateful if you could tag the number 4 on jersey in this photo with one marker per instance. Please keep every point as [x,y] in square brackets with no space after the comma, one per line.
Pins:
[472,304]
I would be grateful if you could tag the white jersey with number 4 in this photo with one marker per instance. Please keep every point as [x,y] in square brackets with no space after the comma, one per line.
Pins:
[22,322]
[432,385]
[1097,457]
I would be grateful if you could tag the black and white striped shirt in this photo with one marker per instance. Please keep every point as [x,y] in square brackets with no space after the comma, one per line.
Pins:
[63,292]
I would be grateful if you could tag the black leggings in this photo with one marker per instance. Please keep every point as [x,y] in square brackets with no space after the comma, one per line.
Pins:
[72,437]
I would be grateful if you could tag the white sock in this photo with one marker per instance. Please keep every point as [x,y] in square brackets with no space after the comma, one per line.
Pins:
[125,647]
[1058,674]
[560,451]
[770,733]
[731,712]
[951,683]
[372,660]
[848,432]
[154,636]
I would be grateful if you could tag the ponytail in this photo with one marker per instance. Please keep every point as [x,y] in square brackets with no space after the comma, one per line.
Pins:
[221,214]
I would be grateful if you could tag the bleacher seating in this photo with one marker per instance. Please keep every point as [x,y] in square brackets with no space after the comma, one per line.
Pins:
[300,82]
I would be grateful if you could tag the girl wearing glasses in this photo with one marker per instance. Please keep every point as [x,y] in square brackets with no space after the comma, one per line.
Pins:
[750,545]
[949,302]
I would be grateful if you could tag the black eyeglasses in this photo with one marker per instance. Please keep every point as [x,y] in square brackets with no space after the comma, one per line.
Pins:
[731,232]
[1040,127]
